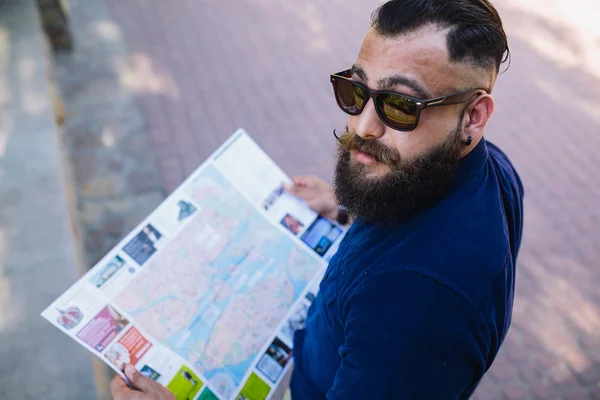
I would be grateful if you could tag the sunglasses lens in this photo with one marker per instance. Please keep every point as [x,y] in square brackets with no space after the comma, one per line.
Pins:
[351,97]
[396,110]
[399,111]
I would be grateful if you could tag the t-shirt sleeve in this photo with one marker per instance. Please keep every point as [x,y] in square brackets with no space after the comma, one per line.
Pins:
[408,336]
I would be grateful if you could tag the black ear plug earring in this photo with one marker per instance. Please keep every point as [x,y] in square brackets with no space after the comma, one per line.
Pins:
[469,141]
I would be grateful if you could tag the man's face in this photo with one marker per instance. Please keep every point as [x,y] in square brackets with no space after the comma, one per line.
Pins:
[402,172]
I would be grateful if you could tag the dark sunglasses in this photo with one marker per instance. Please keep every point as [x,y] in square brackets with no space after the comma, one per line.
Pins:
[396,110]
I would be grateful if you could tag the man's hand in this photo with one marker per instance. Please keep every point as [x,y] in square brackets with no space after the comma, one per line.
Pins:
[317,193]
[146,388]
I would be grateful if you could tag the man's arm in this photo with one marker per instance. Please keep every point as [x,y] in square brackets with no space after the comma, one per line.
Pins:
[408,337]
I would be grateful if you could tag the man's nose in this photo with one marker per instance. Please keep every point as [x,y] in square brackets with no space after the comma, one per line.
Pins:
[367,124]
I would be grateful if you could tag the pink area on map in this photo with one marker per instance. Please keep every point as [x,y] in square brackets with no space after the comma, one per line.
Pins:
[102,329]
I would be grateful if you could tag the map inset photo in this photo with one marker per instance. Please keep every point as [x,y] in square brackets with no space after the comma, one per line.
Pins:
[274,360]
[144,244]
[321,235]
[110,268]
[292,224]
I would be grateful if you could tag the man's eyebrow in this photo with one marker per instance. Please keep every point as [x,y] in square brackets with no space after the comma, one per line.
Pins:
[358,71]
[391,81]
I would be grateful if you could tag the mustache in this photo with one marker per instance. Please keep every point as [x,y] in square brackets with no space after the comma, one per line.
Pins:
[351,141]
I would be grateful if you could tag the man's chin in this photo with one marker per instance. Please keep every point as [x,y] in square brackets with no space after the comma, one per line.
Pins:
[373,172]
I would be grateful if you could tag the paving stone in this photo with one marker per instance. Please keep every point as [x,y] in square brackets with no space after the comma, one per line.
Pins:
[563,378]
[94,241]
[581,394]
[488,391]
[101,187]
[516,392]
[140,182]
[118,206]
[90,211]
[142,206]
[84,136]
[589,376]
[531,374]
[86,165]
[114,226]
[503,371]
[543,391]
[115,165]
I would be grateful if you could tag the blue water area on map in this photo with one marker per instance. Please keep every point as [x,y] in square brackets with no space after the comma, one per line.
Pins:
[237,371]
[274,250]
[223,303]
[278,251]
[153,304]
[229,257]
[197,331]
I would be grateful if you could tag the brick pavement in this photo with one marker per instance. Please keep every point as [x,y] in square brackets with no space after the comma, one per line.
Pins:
[200,69]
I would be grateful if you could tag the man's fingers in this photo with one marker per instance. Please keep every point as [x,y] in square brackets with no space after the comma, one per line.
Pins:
[301,192]
[303,180]
[292,189]
[138,380]
[302,186]
[119,389]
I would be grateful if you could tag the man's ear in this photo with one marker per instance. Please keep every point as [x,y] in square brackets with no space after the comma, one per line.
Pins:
[476,117]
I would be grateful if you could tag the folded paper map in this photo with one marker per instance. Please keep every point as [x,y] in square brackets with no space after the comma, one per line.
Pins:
[205,294]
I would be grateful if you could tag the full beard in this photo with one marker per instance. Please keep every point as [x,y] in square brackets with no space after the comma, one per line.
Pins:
[407,189]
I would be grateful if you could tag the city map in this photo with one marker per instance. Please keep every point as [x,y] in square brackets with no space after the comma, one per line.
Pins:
[221,287]
[205,294]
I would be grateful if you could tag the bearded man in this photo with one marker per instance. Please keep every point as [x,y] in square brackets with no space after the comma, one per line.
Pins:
[418,299]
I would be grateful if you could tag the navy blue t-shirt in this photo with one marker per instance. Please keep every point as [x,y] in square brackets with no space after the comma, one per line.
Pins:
[418,311]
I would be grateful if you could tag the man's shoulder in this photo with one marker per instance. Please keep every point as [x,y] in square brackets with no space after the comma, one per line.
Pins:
[468,271]
[466,246]
[462,259]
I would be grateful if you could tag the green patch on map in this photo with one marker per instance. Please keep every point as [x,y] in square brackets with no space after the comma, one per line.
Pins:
[185,385]
[208,395]
[254,389]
